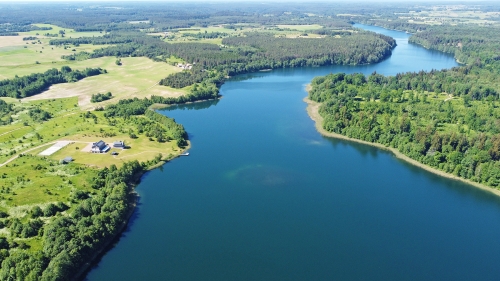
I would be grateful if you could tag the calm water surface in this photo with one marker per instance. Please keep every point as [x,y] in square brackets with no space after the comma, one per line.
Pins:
[263,196]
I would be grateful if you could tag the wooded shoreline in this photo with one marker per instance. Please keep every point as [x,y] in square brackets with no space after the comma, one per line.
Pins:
[313,112]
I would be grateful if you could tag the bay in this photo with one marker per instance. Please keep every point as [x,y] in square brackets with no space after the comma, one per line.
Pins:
[263,196]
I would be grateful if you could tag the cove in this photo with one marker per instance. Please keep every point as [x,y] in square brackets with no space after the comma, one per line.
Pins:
[263,196]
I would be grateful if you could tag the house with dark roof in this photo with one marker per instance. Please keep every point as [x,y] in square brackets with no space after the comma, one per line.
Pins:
[99,147]
[119,144]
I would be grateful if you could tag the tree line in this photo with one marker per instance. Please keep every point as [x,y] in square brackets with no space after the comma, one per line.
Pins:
[26,86]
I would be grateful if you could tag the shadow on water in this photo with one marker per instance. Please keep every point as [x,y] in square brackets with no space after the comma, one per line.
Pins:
[457,186]
[246,77]
[363,149]
[192,106]
[128,228]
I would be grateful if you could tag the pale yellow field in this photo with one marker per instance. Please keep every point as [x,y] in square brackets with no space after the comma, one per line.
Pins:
[136,77]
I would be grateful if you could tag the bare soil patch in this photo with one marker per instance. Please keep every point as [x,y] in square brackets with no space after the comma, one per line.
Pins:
[8,41]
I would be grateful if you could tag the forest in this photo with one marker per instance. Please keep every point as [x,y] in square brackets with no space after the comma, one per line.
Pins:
[446,119]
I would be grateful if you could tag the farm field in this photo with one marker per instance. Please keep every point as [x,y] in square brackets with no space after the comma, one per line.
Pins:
[135,77]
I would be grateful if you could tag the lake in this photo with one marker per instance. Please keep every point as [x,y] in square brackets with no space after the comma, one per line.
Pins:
[263,196]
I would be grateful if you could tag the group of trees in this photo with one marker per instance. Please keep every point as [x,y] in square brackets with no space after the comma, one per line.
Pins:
[154,125]
[39,115]
[6,109]
[20,87]
[101,97]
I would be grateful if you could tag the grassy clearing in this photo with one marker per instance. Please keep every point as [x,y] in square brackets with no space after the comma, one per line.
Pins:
[141,149]
[451,14]
[68,123]
[32,180]
[136,77]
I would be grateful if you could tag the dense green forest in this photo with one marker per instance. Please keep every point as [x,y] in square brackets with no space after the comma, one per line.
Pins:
[469,44]
[446,119]
[21,87]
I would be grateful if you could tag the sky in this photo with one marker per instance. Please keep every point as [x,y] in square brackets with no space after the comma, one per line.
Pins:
[258,1]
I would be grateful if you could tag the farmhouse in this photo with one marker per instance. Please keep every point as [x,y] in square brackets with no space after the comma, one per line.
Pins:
[99,147]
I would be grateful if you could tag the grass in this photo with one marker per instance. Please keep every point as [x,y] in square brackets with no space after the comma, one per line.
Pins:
[141,149]
[136,77]
[22,60]
[451,15]
[41,181]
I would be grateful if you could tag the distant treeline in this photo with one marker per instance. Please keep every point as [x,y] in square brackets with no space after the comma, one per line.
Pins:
[469,44]
[8,29]
[21,87]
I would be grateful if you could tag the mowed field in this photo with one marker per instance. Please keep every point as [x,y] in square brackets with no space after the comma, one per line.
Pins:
[136,77]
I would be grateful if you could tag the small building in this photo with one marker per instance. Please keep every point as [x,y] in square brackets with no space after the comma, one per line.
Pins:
[99,147]
[66,160]
[119,144]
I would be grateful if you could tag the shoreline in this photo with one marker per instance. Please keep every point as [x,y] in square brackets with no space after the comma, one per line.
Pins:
[108,245]
[313,112]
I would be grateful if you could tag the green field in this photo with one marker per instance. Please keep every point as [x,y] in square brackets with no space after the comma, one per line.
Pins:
[70,33]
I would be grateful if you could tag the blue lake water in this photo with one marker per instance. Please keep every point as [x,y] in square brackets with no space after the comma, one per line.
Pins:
[263,196]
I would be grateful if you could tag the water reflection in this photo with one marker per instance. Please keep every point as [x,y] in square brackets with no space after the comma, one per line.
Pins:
[192,106]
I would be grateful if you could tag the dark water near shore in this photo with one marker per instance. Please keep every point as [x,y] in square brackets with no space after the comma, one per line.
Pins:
[263,196]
